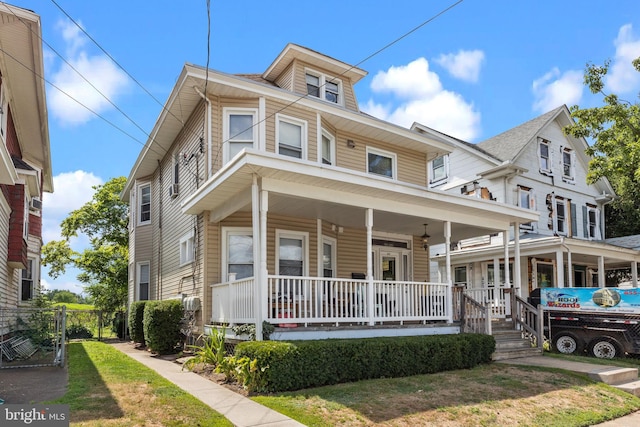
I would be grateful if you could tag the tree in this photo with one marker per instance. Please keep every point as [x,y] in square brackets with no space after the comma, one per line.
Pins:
[614,129]
[104,263]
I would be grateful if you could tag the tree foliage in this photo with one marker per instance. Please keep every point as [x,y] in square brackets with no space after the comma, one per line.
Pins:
[614,129]
[103,264]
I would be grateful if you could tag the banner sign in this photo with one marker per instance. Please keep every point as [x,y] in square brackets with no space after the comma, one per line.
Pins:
[610,300]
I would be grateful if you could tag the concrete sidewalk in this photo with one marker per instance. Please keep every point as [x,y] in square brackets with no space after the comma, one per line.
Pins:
[241,411]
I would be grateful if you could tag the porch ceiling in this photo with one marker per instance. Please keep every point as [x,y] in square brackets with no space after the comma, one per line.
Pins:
[341,196]
[583,252]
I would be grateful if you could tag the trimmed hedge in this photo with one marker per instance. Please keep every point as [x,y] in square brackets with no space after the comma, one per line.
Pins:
[162,325]
[136,317]
[303,364]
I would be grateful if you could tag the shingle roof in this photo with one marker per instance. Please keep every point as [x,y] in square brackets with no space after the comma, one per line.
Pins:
[18,163]
[630,242]
[256,78]
[508,144]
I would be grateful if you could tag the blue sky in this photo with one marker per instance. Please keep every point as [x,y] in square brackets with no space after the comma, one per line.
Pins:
[479,69]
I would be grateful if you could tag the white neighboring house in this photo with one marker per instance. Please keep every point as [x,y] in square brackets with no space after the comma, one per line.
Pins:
[533,166]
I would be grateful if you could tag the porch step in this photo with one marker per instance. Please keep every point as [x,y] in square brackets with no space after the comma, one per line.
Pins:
[515,353]
[632,387]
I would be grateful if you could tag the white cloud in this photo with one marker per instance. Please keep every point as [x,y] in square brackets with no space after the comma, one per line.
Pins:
[622,77]
[464,65]
[556,88]
[422,98]
[103,74]
[71,191]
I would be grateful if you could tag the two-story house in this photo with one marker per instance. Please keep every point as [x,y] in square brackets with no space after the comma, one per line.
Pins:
[25,158]
[537,167]
[272,197]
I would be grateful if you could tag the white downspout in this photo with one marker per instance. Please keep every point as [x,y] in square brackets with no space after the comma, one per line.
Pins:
[209,140]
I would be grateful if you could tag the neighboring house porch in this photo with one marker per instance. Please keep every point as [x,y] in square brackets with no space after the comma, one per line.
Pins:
[335,252]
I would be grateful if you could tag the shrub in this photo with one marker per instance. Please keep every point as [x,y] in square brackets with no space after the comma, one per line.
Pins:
[118,325]
[78,332]
[161,322]
[304,364]
[136,317]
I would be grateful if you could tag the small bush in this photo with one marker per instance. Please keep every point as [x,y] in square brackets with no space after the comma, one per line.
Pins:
[118,325]
[78,332]
[136,317]
[304,364]
[161,322]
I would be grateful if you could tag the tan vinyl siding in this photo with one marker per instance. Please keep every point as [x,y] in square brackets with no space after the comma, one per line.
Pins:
[285,79]
[300,83]
[352,252]
[421,271]
[310,117]
[411,166]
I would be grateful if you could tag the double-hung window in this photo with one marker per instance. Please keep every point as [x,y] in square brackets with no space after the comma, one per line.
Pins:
[560,214]
[544,156]
[526,200]
[291,135]
[144,204]
[568,165]
[439,170]
[143,280]
[381,163]
[324,87]
[187,248]
[239,131]
[27,288]
[592,222]
[328,148]
[239,252]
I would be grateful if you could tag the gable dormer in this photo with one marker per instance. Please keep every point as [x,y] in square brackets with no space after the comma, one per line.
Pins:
[317,76]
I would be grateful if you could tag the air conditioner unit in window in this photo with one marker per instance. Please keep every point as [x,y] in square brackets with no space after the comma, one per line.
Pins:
[35,204]
[173,190]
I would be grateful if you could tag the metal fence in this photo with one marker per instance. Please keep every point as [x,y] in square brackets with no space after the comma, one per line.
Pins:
[32,337]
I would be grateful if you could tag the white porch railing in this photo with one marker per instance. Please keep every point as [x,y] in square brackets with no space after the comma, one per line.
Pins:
[496,297]
[311,300]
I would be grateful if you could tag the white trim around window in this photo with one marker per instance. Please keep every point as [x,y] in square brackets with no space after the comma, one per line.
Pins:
[237,252]
[291,136]
[187,248]
[242,133]
[143,281]
[327,148]
[439,170]
[326,87]
[383,163]
[144,204]
[561,216]
[568,165]
[544,155]
[292,247]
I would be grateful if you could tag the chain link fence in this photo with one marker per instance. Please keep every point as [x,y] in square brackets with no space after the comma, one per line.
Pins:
[32,337]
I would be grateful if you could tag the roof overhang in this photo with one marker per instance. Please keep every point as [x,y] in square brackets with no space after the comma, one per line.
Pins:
[307,189]
[506,169]
[21,64]
[184,99]
[293,52]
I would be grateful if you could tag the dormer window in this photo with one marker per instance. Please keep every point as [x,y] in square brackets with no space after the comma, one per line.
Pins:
[324,87]
[543,151]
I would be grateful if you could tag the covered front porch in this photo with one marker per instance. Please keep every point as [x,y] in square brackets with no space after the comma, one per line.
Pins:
[330,251]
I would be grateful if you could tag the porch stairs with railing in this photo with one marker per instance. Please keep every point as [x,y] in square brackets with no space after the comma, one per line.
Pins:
[510,343]
[515,324]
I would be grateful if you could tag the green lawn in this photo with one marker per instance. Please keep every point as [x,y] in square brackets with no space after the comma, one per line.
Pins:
[107,387]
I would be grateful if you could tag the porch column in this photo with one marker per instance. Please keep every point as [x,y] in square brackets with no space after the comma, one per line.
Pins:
[507,278]
[257,276]
[517,273]
[449,295]
[634,273]
[560,267]
[569,268]
[601,272]
[370,298]
[264,274]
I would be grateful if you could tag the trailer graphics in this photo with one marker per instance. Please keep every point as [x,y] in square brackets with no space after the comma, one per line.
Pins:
[610,300]
[603,322]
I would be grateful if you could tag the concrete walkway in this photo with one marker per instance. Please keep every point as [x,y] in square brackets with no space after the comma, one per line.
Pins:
[241,411]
